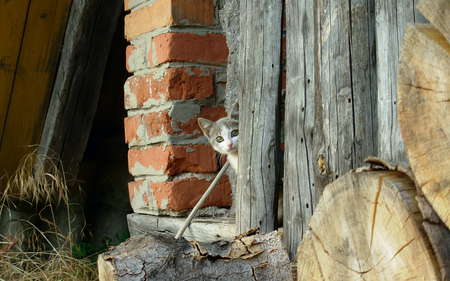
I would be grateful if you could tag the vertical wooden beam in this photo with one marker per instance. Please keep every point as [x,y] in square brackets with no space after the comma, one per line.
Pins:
[299,189]
[346,96]
[392,16]
[73,104]
[260,26]
[330,102]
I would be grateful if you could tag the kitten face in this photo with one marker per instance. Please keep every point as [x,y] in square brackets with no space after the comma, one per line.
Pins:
[223,134]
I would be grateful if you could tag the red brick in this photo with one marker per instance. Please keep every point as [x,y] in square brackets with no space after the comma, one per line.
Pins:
[129,53]
[188,47]
[140,129]
[174,84]
[163,13]
[136,57]
[178,195]
[172,159]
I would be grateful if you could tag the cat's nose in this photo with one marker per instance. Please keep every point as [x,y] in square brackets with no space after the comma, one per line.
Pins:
[230,145]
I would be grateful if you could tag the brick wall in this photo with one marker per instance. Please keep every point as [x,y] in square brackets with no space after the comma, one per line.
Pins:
[177,56]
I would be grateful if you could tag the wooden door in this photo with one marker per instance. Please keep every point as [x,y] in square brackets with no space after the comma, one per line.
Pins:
[31,33]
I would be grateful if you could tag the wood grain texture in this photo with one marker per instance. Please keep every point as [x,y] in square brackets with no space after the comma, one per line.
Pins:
[346,100]
[36,67]
[438,13]
[13,16]
[331,100]
[259,55]
[299,191]
[392,18]
[205,230]
[73,104]
[367,226]
[161,257]
[438,234]
[424,112]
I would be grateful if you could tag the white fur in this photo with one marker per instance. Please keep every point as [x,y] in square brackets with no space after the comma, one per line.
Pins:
[234,160]
[231,153]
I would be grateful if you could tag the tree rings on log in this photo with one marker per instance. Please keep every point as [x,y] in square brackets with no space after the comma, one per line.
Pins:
[367,226]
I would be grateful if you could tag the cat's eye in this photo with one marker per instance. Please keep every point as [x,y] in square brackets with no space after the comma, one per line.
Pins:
[219,139]
[234,133]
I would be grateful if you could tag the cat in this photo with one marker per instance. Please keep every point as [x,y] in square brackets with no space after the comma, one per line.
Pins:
[223,135]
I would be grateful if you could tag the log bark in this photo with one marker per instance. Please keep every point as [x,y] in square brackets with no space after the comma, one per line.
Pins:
[438,234]
[161,257]
[367,226]
[424,112]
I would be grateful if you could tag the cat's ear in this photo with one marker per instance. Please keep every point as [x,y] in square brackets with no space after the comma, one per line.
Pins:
[205,125]
[234,113]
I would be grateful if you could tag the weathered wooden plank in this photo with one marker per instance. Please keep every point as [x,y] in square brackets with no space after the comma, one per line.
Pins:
[334,113]
[340,127]
[392,16]
[260,25]
[346,98]
[13,15]
[364,77]
[73,104]
[354,106]
[299,190]
[33,79]
[205,230]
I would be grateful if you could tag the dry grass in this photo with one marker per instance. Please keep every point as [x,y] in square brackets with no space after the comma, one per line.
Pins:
[32,253]
[57,265]
[37,184]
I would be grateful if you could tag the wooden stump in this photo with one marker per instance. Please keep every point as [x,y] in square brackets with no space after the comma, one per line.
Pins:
[161,257]
[424,104]
[367,226]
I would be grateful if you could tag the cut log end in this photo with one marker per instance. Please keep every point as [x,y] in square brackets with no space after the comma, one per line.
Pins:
[367,226]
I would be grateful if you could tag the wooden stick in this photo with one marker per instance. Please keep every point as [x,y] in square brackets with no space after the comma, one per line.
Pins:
[201,201]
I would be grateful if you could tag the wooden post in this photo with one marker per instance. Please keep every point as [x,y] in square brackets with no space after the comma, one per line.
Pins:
[73,104]
[330,101]
[259,59]
[299,190]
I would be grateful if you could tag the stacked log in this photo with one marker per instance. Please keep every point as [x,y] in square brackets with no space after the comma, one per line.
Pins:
[367,226]
[393,224]
[161,257]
